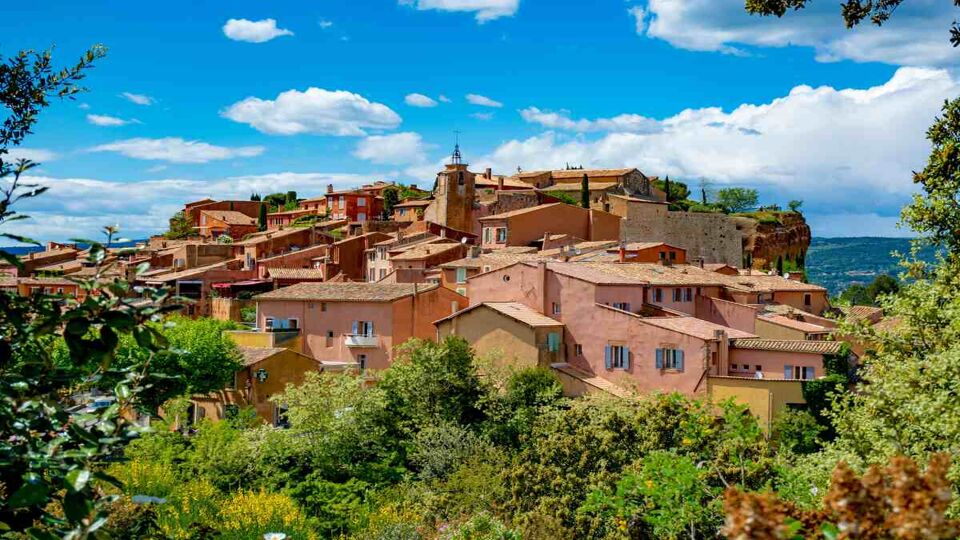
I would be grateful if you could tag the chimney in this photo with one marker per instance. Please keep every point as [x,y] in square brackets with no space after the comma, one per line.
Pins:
[499,183]
[488,173]
[329,188]
[474,252]
[542,271]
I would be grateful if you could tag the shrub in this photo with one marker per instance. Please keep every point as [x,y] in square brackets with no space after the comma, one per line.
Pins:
[482,527]
[150,478]
[195,503]
[246,515]
[797,431]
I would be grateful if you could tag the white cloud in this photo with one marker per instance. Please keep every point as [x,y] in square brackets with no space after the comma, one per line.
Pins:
[176,150]
[77,206]
[316,110]
[419,100]
[254,31]
[325,24]
[108,121]
[38,155]
[444,98]
[561,120]
[917,34]
[394,149]
[139,99]
[83,106]
[843,151]
[482,116]
[486,10]
[483,101]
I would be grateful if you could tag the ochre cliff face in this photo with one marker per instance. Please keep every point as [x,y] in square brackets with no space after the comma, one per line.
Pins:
[766,242]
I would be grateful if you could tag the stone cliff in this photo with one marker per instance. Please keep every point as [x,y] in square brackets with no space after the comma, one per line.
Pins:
[770,235]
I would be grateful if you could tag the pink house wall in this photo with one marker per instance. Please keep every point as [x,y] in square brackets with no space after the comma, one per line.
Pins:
[773,362]
[818,300]
[726,313]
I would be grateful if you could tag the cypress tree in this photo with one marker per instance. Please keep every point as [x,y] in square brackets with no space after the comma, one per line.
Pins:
[780,265]
[585,192]
[262,218]
[666,187]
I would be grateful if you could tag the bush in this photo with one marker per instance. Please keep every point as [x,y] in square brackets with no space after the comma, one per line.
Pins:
[482,527]
[247,515]
[705,208]
[797,431]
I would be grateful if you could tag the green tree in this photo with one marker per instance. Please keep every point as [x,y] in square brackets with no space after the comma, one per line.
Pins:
[180,227]
[737,199]
[254,196]
[391,196]
[870,294]
[675,191]
[585,192]
[262,218]
[564,197]
[853,12]
[795,205]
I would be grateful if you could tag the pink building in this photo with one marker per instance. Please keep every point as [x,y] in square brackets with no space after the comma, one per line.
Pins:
[356,322]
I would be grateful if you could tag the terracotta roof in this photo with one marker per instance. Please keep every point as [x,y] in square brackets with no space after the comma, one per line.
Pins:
[578,173]
[515,310]
[422,251]
[522,211]
[713,267]
[44,281]
[607,273]
[255,355]
[295,273]
[795,324]
[265,236]
[413,203]
[291,212]
[346,292]
[765,283]
[695,327]
[495,260]
[859,313]
[230,217]
[788,345]
[592,380]
[36,255]
[191,272]
[575,186]
[507,182]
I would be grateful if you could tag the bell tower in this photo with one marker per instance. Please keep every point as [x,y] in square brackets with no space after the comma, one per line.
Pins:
[455,193]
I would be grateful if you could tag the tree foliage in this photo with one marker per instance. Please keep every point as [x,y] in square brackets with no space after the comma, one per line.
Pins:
[180,227]
[737,199]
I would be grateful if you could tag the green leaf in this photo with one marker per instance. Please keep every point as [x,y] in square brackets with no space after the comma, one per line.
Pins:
[78,327]
[32,493]
[118,320]
[41,534]
[77,479]
[830,531]
[76,506]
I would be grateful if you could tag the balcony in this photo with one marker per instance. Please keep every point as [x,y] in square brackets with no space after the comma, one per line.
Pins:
[360,340]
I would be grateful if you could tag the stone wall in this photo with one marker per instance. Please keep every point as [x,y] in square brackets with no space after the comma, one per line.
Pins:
[714,237]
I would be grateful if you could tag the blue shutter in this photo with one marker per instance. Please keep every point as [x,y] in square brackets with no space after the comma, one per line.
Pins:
[356,327]
[607,360]
[787,372]
[626,358]
[659,363]
[626,306]
[680,360]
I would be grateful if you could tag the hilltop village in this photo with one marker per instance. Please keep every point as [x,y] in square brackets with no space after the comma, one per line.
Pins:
[593,274]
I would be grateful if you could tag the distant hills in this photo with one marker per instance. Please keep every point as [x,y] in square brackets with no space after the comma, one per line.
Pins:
[837,263]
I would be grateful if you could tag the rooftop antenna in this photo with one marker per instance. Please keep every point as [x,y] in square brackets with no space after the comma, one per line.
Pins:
[456,158]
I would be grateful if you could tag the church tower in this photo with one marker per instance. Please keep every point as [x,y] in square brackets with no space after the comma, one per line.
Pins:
[454,194]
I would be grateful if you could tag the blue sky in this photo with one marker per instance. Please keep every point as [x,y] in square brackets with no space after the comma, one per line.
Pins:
[220,99]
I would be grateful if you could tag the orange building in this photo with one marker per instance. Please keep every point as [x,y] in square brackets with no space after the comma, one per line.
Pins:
[530,225]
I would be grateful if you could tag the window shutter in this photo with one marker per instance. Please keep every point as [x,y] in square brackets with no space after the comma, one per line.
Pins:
[680,360]
[659,363]
[607,360]
[626,358]
[808,373]
[370,331]
[626,307]
[787,372]
[356,327]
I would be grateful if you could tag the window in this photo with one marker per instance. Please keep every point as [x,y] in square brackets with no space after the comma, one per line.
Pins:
[363,328]
[329,333]
[624,306]
[362,360]
[807,299]
[758,368]
[293,324]
[362,201]
[487,235]
[268,323]
[461,275]
[323,306]
[501,235]
[663,255]
[617,357]
[658,295]
[461,291]
[673,255]
[688,295]
[486,268]
[577,349]
[280,416]
[555,308]
[553,341]
[676,295]
[668,358]
[383,273]
[371,275]
[343,202]
[798,372]
[459,178]
[361,216]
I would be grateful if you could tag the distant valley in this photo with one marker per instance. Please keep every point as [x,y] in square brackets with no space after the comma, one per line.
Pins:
[837,263]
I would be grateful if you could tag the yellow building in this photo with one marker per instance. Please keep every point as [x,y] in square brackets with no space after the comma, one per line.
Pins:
[765,398]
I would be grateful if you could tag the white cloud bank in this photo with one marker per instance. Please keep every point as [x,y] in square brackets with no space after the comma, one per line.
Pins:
[38,155]
[395,149]
[176,150]
[844,151]
[108,121]
[419,100]
[916,35]
[483,101]
[316,111]
[254,31]
[138,99]
[486,10]
[561,120]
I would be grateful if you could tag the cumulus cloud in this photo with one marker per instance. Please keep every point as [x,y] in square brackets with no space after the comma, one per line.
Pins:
[325,24]
[419,100]
[38,155]
[444,98]
[916,35]
[844,151]
[483,101]
[561,120]
[176,150]
[138,99]
[486,10]
[316,111]
[254,31]
[76,207]
[394,149]
[107,121]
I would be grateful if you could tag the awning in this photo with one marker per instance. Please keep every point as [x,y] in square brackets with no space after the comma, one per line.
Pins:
[247,283]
